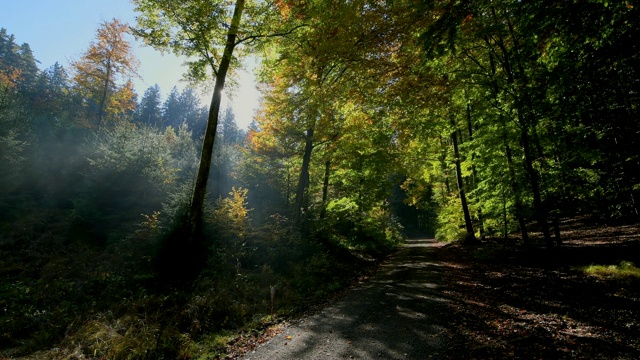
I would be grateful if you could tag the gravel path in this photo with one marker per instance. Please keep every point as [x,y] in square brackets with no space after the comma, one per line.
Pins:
[398,314]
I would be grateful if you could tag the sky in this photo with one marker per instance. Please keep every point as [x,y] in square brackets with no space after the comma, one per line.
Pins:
[62,30]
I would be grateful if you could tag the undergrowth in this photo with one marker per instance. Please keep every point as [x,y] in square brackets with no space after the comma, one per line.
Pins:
[625,269]
[73,299]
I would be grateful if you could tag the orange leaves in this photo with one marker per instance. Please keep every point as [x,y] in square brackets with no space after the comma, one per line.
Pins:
[9,78]
[285,8]
[108,60]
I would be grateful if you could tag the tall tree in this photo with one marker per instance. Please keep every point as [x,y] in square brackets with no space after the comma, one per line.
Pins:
[149,111]
[171,112]
[206,31]
[108,60]
[17,62]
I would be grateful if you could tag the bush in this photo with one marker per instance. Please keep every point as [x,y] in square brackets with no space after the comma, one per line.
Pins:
[449,216]
[375,231]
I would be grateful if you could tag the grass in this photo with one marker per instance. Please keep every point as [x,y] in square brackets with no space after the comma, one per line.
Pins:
[625,269]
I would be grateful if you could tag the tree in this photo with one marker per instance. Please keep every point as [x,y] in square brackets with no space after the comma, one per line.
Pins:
[207,32]
[229,139]
[17,63]
[108,60]
[149,109]
[17,76]
[191,111]
[51,99]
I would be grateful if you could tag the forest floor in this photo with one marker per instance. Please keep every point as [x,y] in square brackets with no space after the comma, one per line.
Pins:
[492,301]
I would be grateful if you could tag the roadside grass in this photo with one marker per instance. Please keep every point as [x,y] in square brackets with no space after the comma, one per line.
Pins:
[68,300]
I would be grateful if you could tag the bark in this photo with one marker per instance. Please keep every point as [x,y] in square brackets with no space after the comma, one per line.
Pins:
[288,197]
[470,237]
[103,98]
[541,216]
[443,167]
[200,187]
[303,180]
[473,171]
[325,189]
[516,194]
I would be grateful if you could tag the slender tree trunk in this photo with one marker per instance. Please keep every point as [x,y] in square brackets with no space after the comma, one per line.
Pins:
[525,137]
[516,194]
[200,188]
[473,171]
[443,167]
[540,211]
[288,198]
[470,237]
[505,223]
[103,98]
[325,189]
[303,180]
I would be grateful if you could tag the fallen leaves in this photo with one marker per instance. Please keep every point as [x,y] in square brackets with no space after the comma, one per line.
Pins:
[536,305]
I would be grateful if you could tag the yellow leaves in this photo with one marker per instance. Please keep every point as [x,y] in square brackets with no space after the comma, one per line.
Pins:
[122,101]
[285,9]
[233,211]
[151,222]
[108,59]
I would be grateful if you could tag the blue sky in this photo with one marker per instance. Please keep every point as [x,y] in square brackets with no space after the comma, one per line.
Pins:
[61,30]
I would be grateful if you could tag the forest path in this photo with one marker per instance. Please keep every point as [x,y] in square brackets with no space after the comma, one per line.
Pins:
[398,314]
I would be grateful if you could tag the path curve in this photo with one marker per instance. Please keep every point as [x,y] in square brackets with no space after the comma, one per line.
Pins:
[398,314]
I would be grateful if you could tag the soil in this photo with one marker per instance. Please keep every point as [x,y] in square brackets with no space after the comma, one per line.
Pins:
[492,301]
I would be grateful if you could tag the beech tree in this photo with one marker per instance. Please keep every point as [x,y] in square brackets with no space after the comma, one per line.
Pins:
[108,60]
[208,32]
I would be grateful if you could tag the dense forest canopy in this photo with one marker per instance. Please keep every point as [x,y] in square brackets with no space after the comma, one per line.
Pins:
[462,119]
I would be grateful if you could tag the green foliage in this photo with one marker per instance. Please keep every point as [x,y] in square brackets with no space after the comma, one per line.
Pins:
[278,245]
[132,170]
[232,226]
[375,231]
[450,220]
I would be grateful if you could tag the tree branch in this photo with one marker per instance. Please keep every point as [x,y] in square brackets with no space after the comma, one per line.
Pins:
[252,38]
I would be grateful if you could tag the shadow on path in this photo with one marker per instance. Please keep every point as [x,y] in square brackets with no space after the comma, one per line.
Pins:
[398,314]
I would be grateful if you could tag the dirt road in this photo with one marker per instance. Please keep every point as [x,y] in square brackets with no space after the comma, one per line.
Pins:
[399,314]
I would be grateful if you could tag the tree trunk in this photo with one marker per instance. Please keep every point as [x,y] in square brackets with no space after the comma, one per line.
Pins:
[473,171]
[541,216]
[325,189]
[443,167]
[288,197]
[103,99]
[303,181]
[200,187]
[470,237]
[516,194]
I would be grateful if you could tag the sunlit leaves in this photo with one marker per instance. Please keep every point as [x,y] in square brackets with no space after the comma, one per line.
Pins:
[98,73]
